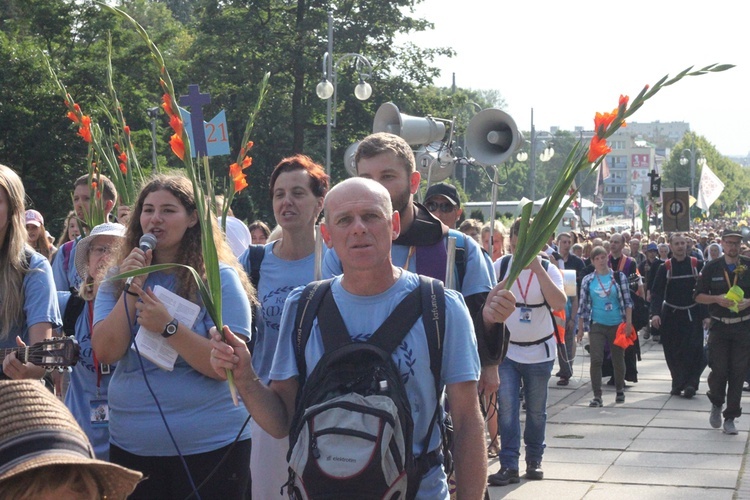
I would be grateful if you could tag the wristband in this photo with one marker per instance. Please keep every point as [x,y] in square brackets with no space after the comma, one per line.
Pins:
[131,293]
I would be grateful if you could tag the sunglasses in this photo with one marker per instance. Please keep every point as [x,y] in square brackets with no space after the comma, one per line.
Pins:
[445,207]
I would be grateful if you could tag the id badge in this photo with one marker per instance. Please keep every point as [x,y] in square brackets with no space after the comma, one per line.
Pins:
[608,306]
[524,315]
[99,412]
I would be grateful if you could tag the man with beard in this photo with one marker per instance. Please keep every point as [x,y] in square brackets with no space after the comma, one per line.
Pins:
[675,312]
[421,245]
[728,339]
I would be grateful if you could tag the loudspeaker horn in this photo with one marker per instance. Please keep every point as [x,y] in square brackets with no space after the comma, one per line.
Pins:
[435,162]
[745,234]
[349,164]
[492,136]
[412,129]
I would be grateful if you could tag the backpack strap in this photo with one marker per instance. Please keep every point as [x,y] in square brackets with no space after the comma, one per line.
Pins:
[433,318]
[504,260]
[392,332]
[460,257]
[307,309]
[255,255]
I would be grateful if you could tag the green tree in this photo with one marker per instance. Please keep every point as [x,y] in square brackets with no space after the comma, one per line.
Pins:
[735,178]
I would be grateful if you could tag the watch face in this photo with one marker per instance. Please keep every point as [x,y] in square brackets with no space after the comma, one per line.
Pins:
[171,329]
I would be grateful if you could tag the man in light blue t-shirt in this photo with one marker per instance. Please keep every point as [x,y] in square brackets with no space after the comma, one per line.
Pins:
[361,225]
[421,244]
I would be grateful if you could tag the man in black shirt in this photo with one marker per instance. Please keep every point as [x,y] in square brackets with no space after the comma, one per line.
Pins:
[728,339]
[679,318]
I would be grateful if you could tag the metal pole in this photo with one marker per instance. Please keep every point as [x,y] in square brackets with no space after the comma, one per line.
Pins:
[692,169]
[532,162]
[329,104]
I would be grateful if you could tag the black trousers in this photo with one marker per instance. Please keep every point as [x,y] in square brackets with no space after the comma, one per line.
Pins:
[165,478]
[728,356]
[682,338]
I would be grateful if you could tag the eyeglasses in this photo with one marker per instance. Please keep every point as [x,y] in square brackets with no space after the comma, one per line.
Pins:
[101,250]
[445,207]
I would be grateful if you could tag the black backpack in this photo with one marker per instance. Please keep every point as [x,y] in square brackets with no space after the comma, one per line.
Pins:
[352,432]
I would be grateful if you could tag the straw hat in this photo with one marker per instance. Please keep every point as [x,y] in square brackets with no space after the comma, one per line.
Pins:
[82,247]
[37,430]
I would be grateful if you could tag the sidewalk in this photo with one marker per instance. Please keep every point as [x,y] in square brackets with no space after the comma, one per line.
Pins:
[654,446]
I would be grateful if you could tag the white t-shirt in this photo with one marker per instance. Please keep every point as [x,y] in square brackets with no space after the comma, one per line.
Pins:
[528,324]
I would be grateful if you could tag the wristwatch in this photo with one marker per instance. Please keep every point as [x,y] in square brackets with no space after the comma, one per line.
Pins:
[170,329]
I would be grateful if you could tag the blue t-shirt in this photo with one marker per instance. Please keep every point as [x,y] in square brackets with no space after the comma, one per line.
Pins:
[479,277]
[66,276]
[362,316]
[83,384]
[198,409]
[39,301]
[605,305]
[278,278]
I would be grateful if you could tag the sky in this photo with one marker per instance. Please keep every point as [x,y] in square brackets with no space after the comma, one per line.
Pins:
[569,59]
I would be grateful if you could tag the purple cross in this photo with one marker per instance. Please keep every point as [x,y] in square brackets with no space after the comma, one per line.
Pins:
[195,100]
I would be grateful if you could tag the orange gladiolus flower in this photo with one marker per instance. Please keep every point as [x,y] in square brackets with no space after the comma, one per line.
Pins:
[240,184]
[127,130]
[602,121]
[77,108]
[178,147]
[598,148]
[93,185]
[246,162]
[176,124]
[73,117]
[167,105]
[123,169]
[234,171]
[85,130]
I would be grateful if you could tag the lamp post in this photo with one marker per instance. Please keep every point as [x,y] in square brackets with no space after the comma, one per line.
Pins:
[545,156]
[692,155]
[328,86]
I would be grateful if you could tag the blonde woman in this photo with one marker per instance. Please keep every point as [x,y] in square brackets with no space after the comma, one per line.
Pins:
[28,301]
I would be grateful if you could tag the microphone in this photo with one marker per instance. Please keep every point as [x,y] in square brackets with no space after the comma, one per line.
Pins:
[146,243]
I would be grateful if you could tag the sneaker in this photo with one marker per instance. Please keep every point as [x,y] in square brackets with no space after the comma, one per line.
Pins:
[689,392]
[646,335]
[534,471]
[503,477]
[563,381]
[675,391]
[729,427]
[620,398]
[596,403]
[715,418]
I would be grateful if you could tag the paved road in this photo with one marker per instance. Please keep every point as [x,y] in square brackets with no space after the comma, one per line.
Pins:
[654,446]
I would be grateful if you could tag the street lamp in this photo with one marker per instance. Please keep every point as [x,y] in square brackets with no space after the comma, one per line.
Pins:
[328,86]
[692,155]
[545,156]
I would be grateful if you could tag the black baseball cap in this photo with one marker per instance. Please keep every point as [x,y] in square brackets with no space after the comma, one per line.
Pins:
[731,232]
[443,189]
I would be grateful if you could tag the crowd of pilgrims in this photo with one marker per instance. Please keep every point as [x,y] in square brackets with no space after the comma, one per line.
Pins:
[47,282]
